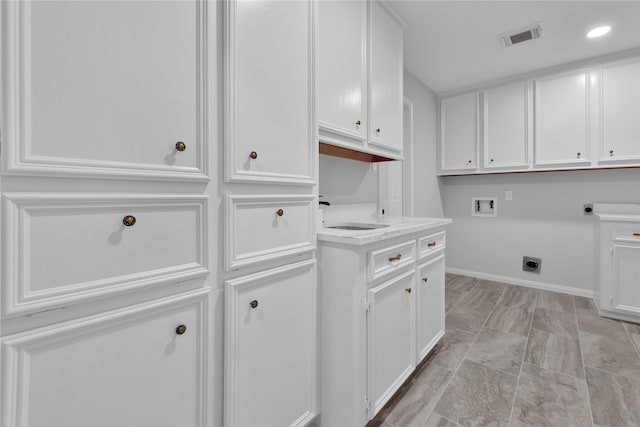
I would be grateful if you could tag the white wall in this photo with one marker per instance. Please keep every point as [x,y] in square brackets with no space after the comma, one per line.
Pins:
[427,200]
[545,219]
[347,181]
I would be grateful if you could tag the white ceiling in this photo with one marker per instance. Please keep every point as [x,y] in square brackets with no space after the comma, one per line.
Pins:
[454,44]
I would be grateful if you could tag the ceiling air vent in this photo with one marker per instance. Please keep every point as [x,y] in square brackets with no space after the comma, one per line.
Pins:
[520,35]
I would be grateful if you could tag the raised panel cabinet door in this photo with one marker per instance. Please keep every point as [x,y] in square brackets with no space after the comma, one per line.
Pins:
[386,80]
[506,126]
[269,91]
[341,69]
[459,132]
[391,338]
[561,117]
[430,307]
[105,88]
[626,278]
[270,347]
[621,112]
[144,365]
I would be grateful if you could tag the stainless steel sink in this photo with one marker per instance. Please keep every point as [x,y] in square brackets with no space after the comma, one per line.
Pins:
[355,226]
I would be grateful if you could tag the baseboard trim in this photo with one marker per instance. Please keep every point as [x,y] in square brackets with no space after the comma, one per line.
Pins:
[522,282]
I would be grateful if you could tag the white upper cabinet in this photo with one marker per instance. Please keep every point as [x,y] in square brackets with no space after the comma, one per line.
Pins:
[620,112]
[562,120]
[109,89]
[386,68]
[341,70]
[506,126]
[269,99]
[360,77]
[459,132]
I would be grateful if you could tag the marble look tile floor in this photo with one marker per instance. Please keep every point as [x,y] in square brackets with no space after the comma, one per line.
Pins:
[514,356]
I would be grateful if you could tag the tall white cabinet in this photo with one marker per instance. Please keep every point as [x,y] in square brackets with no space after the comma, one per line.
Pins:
[617,260]
[106,274]
[270,144]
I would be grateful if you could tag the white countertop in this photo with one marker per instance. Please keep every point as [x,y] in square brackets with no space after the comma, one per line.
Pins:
[398,226]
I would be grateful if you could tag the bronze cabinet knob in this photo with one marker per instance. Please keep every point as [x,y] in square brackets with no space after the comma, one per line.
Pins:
[408,290]
[253,303]
[129,220]
[378,130]
[491,161]
[431,245]
[425,279]
[578,154]
[611,152]
[181,329]
[181,146]
[358,123]
[253,155]
[279,212]
[469,161]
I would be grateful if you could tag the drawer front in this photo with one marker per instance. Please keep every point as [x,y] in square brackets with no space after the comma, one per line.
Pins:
[627,233]
[63,249]
[385,261]
[264,228]
[134,366]
[428,245]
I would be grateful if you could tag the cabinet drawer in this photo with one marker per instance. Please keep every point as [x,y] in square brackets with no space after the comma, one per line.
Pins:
[627,233]
[62,249]
[132,366]
[263,228]
[385,261]
[431,244]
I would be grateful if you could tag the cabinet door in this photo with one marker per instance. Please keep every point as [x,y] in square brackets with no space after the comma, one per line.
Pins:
[341,70]
[506,127]
[626,278]
[620,112]
[105,88]
[270,119]
[270,347]
[132,367]
[386,68]
[391,338]
[561,116]
[459,132]
[430,307]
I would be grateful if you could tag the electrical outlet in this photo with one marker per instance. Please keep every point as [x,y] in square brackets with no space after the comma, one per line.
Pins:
[508,195]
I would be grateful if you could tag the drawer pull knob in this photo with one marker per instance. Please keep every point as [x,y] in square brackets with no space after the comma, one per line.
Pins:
[253,155]
[253,303]
[469,162]
[358,123]
[395,258]
[636,234]
[378,131]
[181,329]
[611,152]
[408,290]
[129,220]
[578,154]
[425,279]
[181,146]
[279,212]
[432,244]
[491,161]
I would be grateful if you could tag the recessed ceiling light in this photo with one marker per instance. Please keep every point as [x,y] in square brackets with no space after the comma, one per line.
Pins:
[598,32]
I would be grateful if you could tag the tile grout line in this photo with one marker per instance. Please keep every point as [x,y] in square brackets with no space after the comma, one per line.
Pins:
[633,343]
[584,367]
[524,354]
[468,350]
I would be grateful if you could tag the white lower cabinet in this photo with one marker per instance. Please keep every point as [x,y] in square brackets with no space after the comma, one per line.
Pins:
[144,365]
[430,305]
[391,338]
[270,347]
[379,319]
[618,260]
